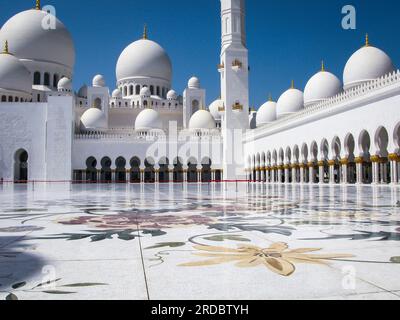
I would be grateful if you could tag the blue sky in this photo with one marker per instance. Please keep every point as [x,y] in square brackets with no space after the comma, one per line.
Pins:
[287,39]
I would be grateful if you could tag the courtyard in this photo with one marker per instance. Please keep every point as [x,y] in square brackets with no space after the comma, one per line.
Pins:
[199,241]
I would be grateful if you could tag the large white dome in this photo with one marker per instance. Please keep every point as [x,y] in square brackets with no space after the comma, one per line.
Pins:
[148,119]
[93,120]
[267,113]
[320,87]
[291,101]
[214,109]
[202,119]
[366,64]
[29,40]
[14,76]
[144,59]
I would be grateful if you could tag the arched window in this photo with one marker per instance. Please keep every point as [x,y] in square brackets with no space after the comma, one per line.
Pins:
[46,79]
[97,103]
[145,103]
[21,166]
[195,106]
[55,80]
[37,78]
[3,99]
[10,99]
[152,90]
[130,90]
[16,99]
[137,90]
[158,91]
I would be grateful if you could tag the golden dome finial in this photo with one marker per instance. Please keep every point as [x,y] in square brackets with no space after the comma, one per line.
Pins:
[145,33]
[367,44]
[270,97]
[5,50]
[322,66]
[292,85]
[37,7]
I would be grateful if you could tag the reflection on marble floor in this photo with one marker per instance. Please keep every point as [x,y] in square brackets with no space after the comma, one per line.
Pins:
[199,242]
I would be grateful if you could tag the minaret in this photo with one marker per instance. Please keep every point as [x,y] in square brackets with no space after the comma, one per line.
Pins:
[234,69]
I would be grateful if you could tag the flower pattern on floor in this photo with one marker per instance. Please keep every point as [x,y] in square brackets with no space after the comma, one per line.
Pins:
[277,257]
[110,235]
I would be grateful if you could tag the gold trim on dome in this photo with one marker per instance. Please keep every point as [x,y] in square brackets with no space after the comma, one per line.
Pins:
[37,6]
[5,50]
[344,162]
[145,32]
[321,163]
[311,164]
[367,44]
[331,162]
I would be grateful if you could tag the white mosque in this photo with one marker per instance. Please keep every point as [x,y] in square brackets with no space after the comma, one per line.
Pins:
[145,132]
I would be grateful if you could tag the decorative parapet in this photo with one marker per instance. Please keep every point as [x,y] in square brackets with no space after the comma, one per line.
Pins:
[341,98]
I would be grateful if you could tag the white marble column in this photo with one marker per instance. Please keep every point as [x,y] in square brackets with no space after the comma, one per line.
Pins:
[332,172]
[375,172]
[294,174]
[345,174]
[311,173]
[321,173]
[171,174]
[302,176]
[287,174]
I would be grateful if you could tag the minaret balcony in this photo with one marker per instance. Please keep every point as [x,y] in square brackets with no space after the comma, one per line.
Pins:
[237,65]
[237,107]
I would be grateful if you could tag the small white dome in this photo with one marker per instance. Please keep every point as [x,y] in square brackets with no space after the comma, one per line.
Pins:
[83,92]
[148,119]
[145,92]
[117,93]
[291,101]
[93,120]
[267,113]
[366,64]
[65,84]
[202,119]
[171,95]
[320,87]
[214,109]
[14,75]
[144,59]
[98,81]
[29,40]
[194,83]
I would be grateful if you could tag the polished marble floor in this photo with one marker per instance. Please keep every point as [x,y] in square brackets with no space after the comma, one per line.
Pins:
[199,242]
